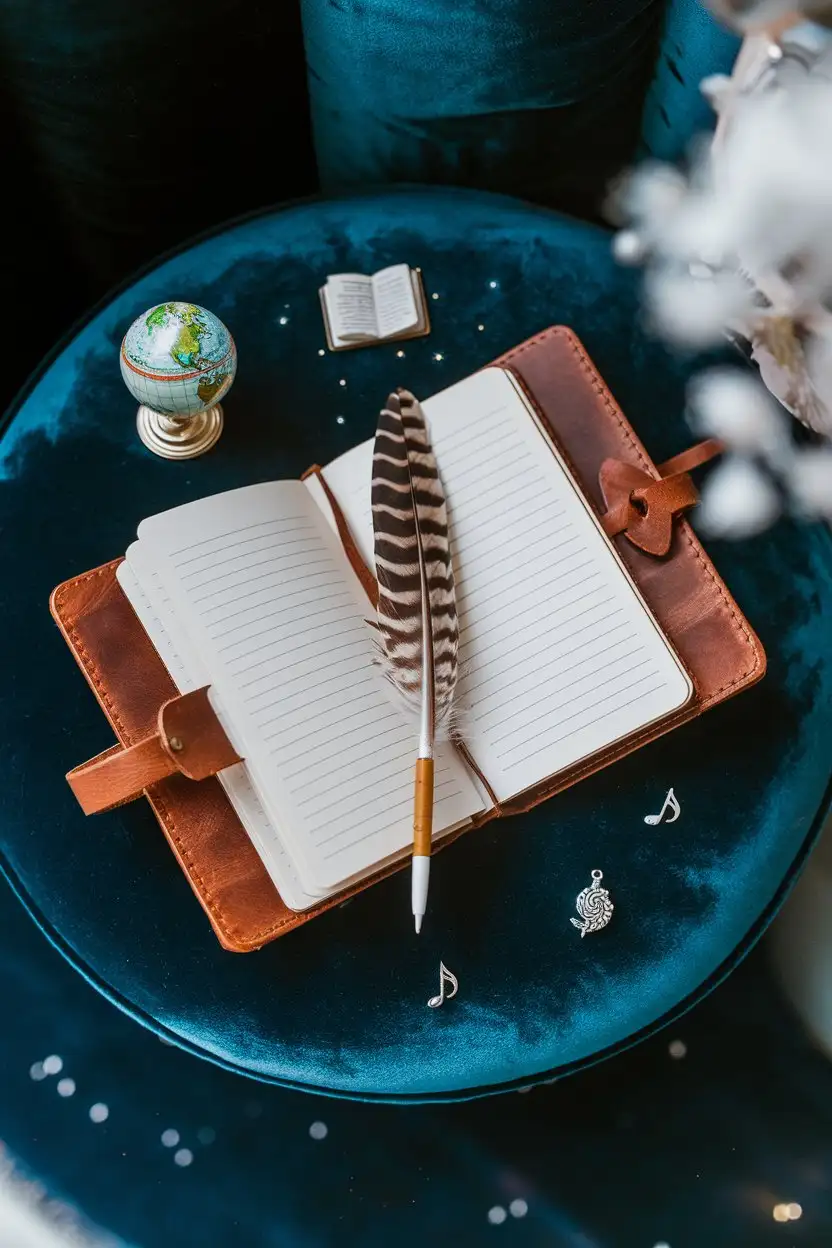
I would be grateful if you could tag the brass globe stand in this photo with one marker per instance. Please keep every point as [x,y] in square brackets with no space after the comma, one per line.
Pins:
[179,437]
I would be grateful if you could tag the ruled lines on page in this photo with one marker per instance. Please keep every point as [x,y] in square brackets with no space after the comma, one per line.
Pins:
[559,656]
[151,602]
[269,599]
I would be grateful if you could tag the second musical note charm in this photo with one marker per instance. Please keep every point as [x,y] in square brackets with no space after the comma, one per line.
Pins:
[445,977]
[671,803]
[594,907]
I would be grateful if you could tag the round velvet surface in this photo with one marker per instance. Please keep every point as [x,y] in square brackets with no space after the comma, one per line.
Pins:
[340,1005]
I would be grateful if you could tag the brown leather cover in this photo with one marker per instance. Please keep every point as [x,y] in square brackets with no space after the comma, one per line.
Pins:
[690,602]
[189,739]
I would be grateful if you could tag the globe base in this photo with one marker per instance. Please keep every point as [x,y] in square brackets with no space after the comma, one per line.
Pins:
[179,437]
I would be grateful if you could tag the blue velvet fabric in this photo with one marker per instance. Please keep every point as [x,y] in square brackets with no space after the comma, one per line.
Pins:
[643,1150]
[694,45]
[541,98]
[339,1005]
[640,1151]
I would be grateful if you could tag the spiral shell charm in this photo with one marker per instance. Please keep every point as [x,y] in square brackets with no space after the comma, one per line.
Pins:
[594,907]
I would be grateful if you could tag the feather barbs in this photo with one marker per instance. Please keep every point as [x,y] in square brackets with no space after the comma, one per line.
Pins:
[412,554]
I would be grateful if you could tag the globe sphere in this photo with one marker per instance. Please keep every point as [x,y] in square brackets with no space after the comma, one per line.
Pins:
[178,359]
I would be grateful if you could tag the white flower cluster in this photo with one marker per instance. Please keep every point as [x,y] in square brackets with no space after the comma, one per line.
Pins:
[741,245]
[750,15]
[762,468]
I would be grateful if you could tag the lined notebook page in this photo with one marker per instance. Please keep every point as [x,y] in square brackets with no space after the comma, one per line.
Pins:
[266,597]
[560,655]
[146,594]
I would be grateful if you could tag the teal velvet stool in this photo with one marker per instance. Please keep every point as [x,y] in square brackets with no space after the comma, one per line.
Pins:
[339,1007]
[652,1148]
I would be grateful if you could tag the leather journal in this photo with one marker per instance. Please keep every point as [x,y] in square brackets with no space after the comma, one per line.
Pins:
[653,639]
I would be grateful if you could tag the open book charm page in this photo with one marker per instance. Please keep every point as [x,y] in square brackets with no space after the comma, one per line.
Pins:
[252,593]
[359,310]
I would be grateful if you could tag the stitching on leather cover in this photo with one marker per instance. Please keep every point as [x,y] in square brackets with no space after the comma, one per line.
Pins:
[96,677]
[603,393]
[240,939]
[89,665]
[232,932]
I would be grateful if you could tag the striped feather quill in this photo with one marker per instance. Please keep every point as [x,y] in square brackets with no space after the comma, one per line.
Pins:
[417,619]
[413,555]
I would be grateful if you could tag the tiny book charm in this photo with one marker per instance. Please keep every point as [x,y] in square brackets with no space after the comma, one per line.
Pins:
[361,311]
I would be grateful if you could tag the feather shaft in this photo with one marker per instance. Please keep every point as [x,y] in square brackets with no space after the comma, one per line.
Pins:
[427,717]
[416,619]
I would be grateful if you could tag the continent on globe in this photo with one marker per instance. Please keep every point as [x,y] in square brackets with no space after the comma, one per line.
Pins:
[187,346]
[178,359]
[211,386]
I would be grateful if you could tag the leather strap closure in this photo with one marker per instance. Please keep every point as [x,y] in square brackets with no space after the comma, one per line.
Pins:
[189,740]
[642,506]
[687,460]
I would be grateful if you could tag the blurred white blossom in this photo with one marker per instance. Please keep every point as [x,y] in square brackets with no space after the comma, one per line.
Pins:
[693,309]
[747,15]
[810,481]
[742,243]
[732,405]
[747,232]
[30,1218]
[628,247]
[740,246]
[763,469]
[739,500]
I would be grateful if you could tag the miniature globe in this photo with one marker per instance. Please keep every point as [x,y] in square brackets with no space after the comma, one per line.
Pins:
[178,359]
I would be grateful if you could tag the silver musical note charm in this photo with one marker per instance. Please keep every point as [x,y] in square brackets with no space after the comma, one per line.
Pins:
[445,977]
[673,802]
[594,907]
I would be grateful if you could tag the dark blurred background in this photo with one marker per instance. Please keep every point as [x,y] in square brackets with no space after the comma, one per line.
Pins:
[126,128]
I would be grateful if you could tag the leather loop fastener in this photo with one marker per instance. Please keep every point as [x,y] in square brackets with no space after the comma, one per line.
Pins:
[189,740]
[641,506]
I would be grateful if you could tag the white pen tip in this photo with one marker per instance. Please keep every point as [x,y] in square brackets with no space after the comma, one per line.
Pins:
[419,888]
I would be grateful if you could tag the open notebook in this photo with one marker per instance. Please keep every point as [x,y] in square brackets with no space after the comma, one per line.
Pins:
[252,593]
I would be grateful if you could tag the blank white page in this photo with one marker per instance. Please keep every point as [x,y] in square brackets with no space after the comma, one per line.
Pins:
[560,655]
[268,600]
[151,602]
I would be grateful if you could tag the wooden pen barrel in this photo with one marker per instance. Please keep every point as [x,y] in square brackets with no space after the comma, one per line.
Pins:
[423,807]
